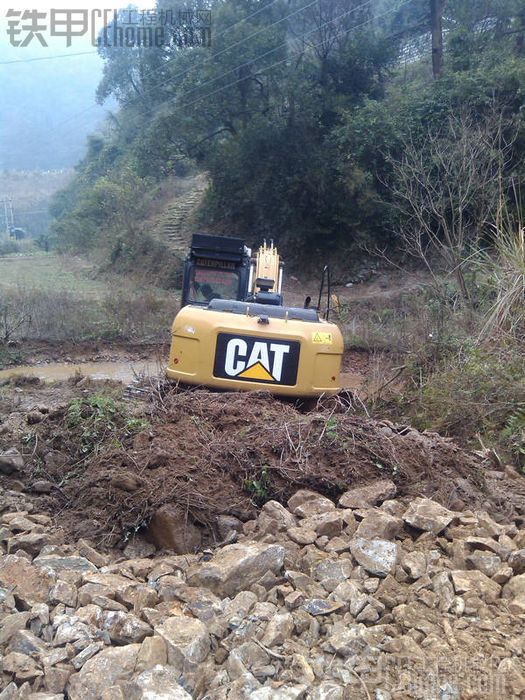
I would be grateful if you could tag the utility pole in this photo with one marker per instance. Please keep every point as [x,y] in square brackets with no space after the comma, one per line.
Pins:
[9,218]
[436,12]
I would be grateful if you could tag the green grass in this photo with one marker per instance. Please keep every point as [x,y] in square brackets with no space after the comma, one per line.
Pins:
[49,271]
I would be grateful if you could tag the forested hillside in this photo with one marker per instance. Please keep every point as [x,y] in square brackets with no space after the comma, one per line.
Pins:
[324,124]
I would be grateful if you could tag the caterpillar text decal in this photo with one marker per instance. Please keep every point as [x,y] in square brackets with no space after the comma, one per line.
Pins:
[252,358]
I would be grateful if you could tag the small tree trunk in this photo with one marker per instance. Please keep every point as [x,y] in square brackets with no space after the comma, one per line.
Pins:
[436,10]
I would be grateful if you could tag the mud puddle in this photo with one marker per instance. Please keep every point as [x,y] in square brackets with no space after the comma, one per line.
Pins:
[59,371]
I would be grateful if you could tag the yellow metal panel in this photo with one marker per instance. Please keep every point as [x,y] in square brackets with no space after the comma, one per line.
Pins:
[268,266]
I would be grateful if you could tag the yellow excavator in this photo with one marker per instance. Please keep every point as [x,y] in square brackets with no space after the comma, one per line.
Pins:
[234,332]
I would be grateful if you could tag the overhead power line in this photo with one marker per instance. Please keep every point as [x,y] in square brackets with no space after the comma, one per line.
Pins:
[46,58]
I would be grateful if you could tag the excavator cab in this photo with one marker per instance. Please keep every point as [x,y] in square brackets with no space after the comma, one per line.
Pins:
[217,267]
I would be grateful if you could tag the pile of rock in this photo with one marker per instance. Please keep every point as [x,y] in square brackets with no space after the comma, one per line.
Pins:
[372,597]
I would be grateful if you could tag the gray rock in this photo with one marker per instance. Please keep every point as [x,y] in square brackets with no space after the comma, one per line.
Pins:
[329,524]
[103,671]
[284,692]
[80,659]
[187,641]
[486,562]
[57,563]
[484,587]
[379,525]
[415,564]
[11,461]
[153,652]
[11,624]
[158,683]
[427,515]
[31,584]
[313,506]
[21,666]
[24,642]
[327,690]
[125,628]
[302,535]
[246,658]
[237,567]
[278,629]
[30,542]
[316,606]
[378,557]
[331,573]
[71,630]
[516,561]
[372,494]
[274,518]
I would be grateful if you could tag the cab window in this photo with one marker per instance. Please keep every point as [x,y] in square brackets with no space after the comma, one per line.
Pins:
[207,283]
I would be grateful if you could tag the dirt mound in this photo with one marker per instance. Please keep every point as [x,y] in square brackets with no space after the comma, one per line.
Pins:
[228,453]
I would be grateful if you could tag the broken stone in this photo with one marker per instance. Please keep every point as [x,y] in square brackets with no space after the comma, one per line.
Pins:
[158,682]
[466,581]
[57,563]
[85,550]
[187,641]
[379,526]
[237,567]
[278,629]
[274,518]
[11,461]
[21,666]
[153,652]
[30,584]
[427,515]
[328,524]
[503,575]
[378,557]
[372,494]
[315,606]
[415,564]
[283,692]
[516,561]
[63,592]
[80,659]
[331,573]
[125,628]
[103,671]
[487,563]
[313,506]
[302,535]
[338,545]
[11,624]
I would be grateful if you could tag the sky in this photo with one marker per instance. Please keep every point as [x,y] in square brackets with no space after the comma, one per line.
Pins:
[48,92]
[58,44]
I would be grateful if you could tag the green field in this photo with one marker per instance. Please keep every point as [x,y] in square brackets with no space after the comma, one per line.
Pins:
[50,271]
[47,296]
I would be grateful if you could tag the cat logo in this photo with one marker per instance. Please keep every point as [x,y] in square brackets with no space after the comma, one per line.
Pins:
[255,359]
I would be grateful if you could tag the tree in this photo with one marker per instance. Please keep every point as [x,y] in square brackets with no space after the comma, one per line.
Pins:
[448,190]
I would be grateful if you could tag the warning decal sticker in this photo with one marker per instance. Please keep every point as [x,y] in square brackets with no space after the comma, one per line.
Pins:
[322,338]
